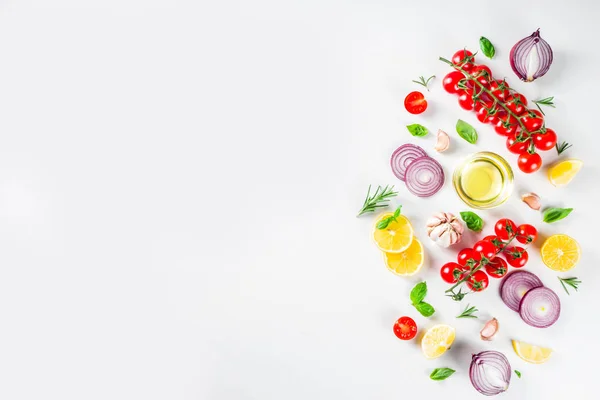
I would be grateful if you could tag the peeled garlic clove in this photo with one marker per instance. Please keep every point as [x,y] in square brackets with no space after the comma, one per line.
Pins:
[532,200]
[443,141]
[489,329]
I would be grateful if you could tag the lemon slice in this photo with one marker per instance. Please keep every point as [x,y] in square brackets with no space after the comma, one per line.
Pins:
[563,172]
[407,263]
[531,353]
[396,237]
[560,252]
[437,340]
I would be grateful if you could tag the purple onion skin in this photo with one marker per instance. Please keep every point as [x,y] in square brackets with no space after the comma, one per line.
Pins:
[519,52]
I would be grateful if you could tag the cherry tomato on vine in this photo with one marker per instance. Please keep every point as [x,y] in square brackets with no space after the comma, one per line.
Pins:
[450,81]
[496,268]
[545,141]
[516,256]
[500,89]
[405,328]
[486,112]
[516,143]
[415,103]
[451,272]
[482,74]
[485,248]
[529,162]
[468,257]
[516,103]
[506,124]
[496,241]
[461,56]
[533,120]
[465,99]
[478,281]
[526,233]
[505,229]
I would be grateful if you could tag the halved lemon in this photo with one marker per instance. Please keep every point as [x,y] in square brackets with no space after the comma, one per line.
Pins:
[396,237]
[437,340]
[531,353]
[407,263]
[560,252]
[563,172]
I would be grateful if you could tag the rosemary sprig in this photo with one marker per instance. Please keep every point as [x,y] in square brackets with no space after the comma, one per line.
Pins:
[548,101]
[424,82]
[468,312]
[562,147]
[573,282]
[379,199]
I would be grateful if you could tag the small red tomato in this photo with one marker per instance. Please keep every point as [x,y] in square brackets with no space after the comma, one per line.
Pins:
[516,256]
[461,57]
[478,281]
[468,258]
[533,120]
[529,162]
[482,74]
[500,89]
[517,143]
[486,112]
[451,81]
[506,124]
[496,241]
[451,272]
[496,268]
[516,103]
[505,229]
[526,233]
[545,141]
[405,328]
[485,248]
[415,103]
[465,99]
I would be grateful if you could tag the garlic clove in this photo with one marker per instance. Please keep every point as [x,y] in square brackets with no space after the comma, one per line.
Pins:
[489,330]
[443,141]
[532,200]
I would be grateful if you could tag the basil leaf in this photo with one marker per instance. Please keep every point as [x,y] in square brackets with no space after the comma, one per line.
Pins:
[425,309]
[439,374]
[556,214]
[397,212]
[487,47]
[466,131]
[473,221]
[384,223]
[417,130]
[516,372]
[418,293]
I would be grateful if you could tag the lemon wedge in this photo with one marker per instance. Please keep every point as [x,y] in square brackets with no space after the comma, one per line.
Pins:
[531,353]
[437,340]
[563,172]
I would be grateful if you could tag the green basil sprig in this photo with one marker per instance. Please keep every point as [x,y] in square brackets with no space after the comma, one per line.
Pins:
[487,47]
[384,223]
[417,130]
[473,221]
[439,374]
[466,131]
[417,295]
[556,214]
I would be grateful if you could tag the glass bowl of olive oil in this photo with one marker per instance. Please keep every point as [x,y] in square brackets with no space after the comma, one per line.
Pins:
[483,180]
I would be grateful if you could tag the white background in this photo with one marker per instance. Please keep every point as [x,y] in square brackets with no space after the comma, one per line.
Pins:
[179,182]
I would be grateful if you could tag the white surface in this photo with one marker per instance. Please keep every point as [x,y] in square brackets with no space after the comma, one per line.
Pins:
[178,185]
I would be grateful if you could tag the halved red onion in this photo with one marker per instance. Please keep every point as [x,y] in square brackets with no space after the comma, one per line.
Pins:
[424,177]
[540,307]
[531,57]
[515,285]
[490,372]
[403,156]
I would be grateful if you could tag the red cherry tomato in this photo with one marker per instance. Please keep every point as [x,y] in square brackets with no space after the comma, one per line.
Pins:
[500,89]
[506,124]
[451,81]
[517,143]
[516,103]
[478,281]
[415,103]
[485,248]
[486,112]
[505,229]
[526,233]
[465,99]
[516,256]
[405,328]
[451,272]
[496,268]
[460,58]
[545,141]
[468,258]
[533,120]
[496,241]
[529,162]
[482,74]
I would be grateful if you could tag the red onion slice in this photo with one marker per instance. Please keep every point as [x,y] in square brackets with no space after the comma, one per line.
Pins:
[515,285]
[424,177]
[531,57]
[403,157]
[540,307]
[490,372]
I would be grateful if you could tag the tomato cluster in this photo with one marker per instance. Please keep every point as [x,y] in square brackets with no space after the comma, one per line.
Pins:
[497,104]
[475,265]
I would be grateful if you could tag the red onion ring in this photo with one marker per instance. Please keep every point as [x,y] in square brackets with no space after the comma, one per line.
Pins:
[540,307]
[515,285]
[424,177]
[490,372]
[403,157]
[522,54]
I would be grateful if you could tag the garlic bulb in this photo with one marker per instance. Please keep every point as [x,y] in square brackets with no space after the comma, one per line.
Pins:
[445,229]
